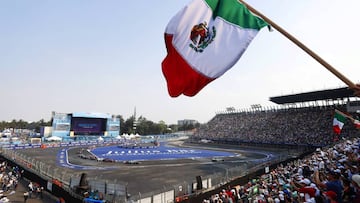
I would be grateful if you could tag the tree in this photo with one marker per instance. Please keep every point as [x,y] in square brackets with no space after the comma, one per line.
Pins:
[122,124]
[163,127]
[128,125]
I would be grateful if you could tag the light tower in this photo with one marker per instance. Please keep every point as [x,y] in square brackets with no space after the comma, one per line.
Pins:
[135,121]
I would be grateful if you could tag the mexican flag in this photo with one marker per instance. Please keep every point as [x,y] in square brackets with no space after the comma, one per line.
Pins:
[338,122]
[204,40]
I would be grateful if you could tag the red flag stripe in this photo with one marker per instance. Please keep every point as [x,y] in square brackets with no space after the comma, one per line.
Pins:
[180,77]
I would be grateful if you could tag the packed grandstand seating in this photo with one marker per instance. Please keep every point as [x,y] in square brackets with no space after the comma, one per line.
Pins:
[330,174]
[290,126]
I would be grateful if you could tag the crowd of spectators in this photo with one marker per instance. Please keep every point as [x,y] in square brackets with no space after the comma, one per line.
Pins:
[9,180]
[294,126]
[329,175]
[35,190]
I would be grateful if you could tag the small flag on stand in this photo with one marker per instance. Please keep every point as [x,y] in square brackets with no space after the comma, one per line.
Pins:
[338,122]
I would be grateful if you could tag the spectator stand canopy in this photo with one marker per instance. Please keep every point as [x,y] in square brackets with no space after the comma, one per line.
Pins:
[322,95]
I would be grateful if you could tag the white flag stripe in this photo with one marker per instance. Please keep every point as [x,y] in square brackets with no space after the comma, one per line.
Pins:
[228,44]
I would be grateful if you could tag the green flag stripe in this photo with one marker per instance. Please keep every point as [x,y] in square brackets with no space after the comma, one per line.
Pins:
[235,12]
[340,117]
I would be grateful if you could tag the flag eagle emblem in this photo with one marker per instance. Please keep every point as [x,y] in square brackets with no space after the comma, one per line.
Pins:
[201,36]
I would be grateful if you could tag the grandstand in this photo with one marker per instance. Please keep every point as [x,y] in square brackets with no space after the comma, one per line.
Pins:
[300,120]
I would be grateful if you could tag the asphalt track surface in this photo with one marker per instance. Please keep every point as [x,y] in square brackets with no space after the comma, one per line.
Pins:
[169,165]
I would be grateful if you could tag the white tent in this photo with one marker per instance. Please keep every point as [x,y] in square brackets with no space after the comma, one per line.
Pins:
[54,138]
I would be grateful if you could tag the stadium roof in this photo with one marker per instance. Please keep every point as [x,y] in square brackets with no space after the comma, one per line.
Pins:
[332,94]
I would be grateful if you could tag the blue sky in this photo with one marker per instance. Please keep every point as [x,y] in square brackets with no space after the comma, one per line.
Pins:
[105,56]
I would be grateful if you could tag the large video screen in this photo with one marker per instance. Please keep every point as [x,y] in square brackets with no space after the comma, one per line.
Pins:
[88,126]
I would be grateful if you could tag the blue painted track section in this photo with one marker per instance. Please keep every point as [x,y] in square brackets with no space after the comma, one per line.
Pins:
[162,152]
[62,160]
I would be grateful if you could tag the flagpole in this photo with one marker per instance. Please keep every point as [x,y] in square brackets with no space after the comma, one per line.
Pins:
[303,47]
[345,115]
